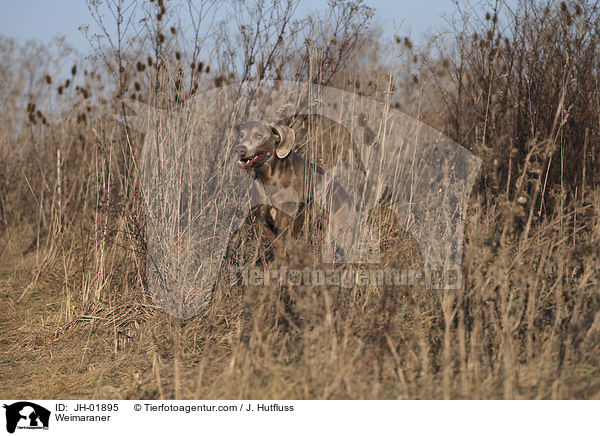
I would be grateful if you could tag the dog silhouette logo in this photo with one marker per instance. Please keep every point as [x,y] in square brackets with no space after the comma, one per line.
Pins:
[26,415]
[371,157]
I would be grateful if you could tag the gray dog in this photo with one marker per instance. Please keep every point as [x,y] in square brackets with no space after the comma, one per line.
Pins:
[285,182]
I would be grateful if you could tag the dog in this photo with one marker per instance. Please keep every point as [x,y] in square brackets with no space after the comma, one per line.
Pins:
[284,182]
[287,189]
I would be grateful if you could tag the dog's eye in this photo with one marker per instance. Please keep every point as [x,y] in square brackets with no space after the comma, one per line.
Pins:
[259,137]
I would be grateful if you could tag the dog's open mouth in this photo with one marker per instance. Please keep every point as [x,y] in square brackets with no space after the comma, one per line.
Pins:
[247,162]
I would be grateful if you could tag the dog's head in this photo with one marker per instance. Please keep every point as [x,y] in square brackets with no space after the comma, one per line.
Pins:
[260,143]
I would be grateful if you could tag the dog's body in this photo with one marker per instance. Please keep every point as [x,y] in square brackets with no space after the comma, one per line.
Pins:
[287,189]
[285,182]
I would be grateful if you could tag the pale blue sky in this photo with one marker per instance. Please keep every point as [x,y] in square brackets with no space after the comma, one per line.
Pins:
[44,19]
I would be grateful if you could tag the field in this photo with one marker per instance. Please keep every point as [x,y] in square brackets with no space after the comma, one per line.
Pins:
[516,86]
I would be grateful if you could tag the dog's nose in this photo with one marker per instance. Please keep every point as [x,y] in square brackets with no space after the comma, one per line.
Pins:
[241,150]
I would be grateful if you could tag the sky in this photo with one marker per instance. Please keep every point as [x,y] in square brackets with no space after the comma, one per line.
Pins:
[44,19]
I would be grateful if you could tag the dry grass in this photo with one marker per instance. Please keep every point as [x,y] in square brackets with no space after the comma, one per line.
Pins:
[77,317]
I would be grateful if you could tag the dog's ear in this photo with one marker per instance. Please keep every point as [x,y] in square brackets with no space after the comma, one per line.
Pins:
[286,136]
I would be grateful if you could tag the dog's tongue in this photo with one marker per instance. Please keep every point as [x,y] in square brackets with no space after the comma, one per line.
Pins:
[249,163]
